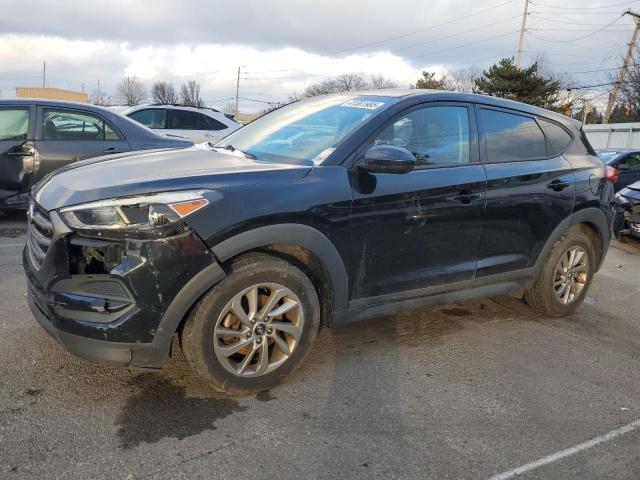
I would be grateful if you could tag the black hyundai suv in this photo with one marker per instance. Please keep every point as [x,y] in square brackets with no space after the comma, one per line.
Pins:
[332,208]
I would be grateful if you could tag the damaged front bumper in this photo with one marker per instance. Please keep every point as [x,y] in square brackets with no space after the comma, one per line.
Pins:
[117,302]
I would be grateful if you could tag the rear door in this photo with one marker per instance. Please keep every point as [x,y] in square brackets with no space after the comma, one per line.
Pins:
[195,126]
[530,189]
[17,154]
[67,135]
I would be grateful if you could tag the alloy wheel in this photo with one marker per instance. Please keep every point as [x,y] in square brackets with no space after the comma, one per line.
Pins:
[571,273]
[258,330]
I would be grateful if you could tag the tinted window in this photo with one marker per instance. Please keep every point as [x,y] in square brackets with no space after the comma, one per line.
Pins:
[557,136]
[435,135]
[14,123]
[213,124]
[152,117]
[74,125]
[186,120]
[511,137]
[630,162]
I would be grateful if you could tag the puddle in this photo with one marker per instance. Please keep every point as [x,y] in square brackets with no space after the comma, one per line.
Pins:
[160,410]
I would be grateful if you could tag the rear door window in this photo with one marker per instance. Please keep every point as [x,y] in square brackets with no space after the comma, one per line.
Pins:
[511,137]
[76,126]
[186,120]
[558,137]
[151,117]
[631,162]
[14,124]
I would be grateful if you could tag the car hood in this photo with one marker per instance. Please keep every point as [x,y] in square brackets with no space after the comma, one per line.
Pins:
[156,171]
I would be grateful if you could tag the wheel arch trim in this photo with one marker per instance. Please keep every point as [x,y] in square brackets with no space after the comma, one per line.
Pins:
[592,215]
[296,235]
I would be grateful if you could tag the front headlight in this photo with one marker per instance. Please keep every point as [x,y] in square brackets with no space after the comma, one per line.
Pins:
[144,214]
[620,200]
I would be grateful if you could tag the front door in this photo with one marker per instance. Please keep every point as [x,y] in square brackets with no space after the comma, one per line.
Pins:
[68,135]
[17,154]
[419,229]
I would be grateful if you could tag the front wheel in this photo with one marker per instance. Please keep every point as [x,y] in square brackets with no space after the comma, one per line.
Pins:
[565,277]
[254,327]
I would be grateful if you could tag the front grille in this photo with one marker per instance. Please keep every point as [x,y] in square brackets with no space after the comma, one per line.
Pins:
[39,234]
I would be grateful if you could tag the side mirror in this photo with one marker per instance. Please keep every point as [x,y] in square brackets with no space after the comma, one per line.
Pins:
[388,159]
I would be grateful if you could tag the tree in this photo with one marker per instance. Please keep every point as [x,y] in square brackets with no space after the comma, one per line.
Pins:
[164,93]
[131,91]
[100,97]
[380,81]
[429,81]
[525,85]
[461,79]
[190,93]
[628,107]
[347,82]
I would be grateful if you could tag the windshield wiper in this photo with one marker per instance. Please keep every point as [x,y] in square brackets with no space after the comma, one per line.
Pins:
[231,148]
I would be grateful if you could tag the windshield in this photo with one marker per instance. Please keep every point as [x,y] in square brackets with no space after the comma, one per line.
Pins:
[607,156]
[305,132]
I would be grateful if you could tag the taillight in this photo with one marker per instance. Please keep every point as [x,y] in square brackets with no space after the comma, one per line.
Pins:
[611,174]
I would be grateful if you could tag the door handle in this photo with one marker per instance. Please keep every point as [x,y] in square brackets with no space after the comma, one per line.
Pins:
[558,185]
[111,150]
[466,199]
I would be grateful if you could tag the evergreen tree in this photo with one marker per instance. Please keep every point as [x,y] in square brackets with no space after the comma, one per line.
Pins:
[525,85]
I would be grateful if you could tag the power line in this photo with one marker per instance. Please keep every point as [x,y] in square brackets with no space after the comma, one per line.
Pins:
[585,8]
[579,38]
[430,27]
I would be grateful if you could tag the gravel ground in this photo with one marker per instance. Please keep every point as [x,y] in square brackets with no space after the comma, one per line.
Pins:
[458,391]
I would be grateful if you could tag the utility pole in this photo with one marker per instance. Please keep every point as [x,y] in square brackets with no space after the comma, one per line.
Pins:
[44,74]
[613,97]
[523,28]
[237,90]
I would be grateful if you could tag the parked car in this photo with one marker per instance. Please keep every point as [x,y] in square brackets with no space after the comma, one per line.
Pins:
[626,161]
[39,136]
[331,208]
[627,221]
[197,124]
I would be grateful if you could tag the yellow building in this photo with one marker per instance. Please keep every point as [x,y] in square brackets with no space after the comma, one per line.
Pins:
[51,94]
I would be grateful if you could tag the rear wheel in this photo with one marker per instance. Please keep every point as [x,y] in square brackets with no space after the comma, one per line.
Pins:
[565,277]
[254,327]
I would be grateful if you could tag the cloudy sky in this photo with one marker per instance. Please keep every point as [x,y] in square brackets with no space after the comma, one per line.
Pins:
[285,45]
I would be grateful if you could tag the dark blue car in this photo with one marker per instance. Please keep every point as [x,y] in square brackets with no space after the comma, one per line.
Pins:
[332,208]
[625,161]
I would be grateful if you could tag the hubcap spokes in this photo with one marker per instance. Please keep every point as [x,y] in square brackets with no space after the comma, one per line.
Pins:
[258,330]
[571,274]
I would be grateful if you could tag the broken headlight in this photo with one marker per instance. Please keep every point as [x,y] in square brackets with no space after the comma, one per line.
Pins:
[158,213]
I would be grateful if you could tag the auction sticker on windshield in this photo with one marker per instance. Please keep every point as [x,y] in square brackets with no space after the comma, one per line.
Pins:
[368,104]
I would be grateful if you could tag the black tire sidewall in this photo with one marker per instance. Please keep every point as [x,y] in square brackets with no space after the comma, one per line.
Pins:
[206,314]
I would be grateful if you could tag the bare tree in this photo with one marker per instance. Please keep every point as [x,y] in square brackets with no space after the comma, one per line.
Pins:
[628,106]
[131,91]
[380,81]
[164,92]
[351,82]
[190,93]
[462,79]
[229,108]
[100,97]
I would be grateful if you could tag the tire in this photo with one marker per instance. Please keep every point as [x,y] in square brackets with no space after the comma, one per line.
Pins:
[253,279]
[542,296]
